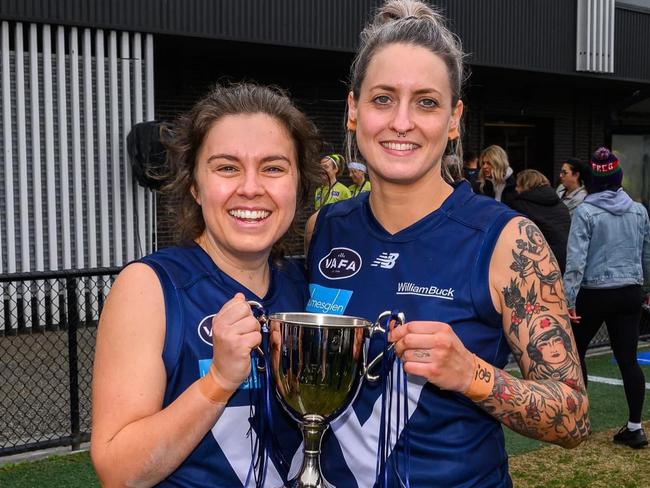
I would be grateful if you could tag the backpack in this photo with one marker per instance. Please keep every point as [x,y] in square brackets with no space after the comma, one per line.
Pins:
[147,154]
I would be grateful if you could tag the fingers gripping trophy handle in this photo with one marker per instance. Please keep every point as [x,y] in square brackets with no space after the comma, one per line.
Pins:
[260,314]
[368,368]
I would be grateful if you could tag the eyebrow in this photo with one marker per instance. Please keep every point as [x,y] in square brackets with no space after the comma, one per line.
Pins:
[417,92]
[232,157]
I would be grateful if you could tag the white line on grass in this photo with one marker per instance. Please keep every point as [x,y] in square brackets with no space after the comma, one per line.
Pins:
[610,381]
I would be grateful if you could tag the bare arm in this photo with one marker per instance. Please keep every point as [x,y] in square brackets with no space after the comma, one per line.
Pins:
[134,441]
[309,231]
[550,403]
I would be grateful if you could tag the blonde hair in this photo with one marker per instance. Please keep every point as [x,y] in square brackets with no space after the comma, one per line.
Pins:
[415,23]
[531,178]
[499,162]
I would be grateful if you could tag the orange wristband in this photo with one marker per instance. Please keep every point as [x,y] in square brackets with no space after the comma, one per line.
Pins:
[482,380]
[211,387]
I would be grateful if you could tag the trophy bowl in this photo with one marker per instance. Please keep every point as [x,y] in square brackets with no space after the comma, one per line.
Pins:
[317,361]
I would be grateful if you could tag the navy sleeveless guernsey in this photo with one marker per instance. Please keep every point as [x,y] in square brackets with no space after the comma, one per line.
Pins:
[436,270]
[194,288]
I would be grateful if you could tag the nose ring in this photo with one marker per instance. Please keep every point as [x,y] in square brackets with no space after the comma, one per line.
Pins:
[401,134]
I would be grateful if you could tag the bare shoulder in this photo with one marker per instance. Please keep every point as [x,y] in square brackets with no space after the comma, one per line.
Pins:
[309,230]
[132,324]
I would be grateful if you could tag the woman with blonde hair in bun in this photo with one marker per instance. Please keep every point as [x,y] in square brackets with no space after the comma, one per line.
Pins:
[454,263]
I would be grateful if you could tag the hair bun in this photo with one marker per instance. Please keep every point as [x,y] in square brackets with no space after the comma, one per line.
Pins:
[395,10]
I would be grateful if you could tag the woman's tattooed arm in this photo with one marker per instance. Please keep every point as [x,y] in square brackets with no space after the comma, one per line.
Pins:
[550,403]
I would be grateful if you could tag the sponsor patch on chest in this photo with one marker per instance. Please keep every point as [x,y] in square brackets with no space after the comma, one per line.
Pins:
[340,263]
[432,291]
[327,300]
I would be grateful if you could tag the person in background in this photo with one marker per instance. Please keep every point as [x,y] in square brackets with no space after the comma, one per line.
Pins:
[495,178]
[537,200]
[608,261]
[172,378]
[470,166]
[454,262]
[333,190]
[571,189]
[359,177]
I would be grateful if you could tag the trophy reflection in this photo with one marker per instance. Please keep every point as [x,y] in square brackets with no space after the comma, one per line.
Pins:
[318,365]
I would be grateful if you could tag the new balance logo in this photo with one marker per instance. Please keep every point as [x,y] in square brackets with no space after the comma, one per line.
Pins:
[386,260]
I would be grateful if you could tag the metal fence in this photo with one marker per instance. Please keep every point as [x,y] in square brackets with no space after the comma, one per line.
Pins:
[48,324]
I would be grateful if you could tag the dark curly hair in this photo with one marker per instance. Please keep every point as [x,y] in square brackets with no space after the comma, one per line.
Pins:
[187,134]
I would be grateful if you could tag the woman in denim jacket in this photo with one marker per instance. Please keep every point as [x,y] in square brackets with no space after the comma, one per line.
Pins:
[608,258]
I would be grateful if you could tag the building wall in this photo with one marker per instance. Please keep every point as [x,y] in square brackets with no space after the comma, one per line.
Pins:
[577,114]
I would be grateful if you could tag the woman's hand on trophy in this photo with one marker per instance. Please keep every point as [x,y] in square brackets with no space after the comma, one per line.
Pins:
[432,350]
[235,333]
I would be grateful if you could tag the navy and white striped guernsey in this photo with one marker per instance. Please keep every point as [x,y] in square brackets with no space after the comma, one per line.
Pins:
[194,288]
[436,269]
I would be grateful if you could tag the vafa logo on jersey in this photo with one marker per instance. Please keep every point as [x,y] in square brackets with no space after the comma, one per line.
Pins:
[205,329]
[340,263]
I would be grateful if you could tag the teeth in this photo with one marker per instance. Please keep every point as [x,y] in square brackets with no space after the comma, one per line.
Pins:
[249,214]
[399,146]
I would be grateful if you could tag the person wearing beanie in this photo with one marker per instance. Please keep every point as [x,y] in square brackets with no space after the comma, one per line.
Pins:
[571,189]
[608,262]
[359,177]
[332,190]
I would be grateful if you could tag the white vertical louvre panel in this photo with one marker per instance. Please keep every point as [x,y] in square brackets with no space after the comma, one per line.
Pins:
[37,188]
[151,214]
[50,176]
[5,80]
[75,113]
[10,228]
[141,241]
[102,151]
[89,150]
[595,36]
[62,129]
[116,193]
[67,197]
[77,187]
[126,126]
[23,183]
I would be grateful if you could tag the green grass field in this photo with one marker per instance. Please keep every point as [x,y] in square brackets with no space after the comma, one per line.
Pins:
[595,463]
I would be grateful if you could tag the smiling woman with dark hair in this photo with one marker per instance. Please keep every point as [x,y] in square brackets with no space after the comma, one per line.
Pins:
[172,380]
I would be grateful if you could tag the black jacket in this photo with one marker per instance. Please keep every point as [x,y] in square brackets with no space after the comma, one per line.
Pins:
[508,194]
[543,206]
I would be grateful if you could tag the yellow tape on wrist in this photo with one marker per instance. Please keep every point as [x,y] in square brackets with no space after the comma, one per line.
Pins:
[211,387]
[482,380]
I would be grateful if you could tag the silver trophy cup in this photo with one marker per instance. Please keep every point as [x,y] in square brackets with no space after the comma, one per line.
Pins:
[318,363]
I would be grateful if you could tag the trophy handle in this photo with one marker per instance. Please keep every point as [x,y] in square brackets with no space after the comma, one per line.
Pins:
[260,314]
[378,328]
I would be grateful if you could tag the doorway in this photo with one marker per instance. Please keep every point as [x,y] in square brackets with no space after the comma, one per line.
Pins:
[529,142]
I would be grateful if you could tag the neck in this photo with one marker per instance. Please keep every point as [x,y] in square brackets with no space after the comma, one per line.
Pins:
[251,271]
[572,186]
[398,206]
[332,180]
